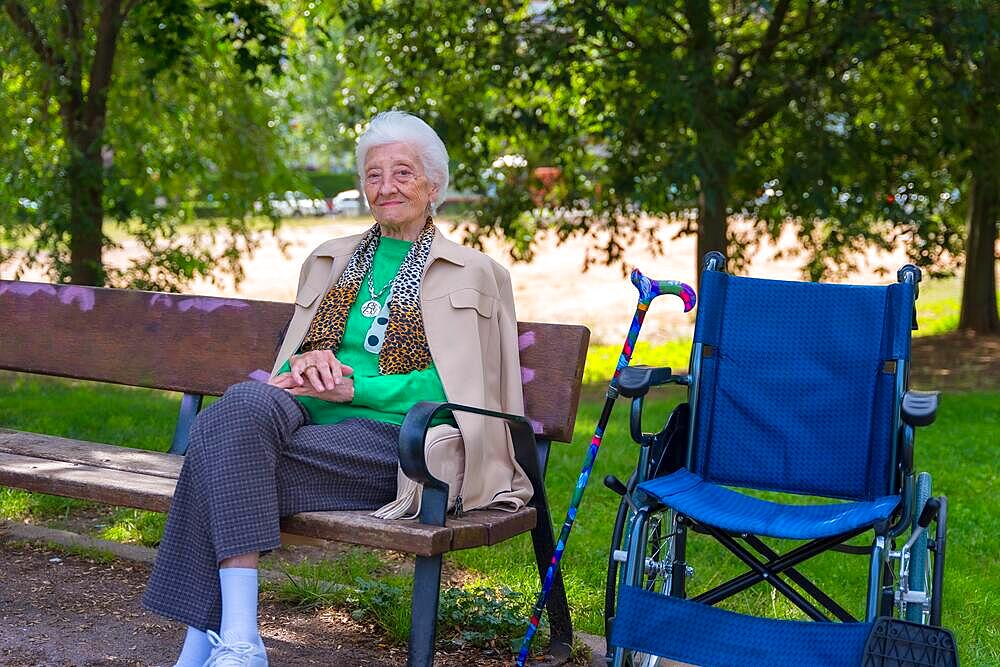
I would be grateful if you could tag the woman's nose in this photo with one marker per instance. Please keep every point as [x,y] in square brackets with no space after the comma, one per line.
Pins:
[387,185]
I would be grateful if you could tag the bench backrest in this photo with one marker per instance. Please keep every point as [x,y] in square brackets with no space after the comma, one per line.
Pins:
[201,345]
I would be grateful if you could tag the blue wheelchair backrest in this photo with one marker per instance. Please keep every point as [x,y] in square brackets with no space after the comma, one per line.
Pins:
[797,389]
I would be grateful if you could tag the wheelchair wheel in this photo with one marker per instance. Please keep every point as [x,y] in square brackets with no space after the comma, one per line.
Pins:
[611,582]
[919,578]
[657,535]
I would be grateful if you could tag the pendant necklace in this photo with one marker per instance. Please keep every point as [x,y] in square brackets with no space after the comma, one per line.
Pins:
[371,307]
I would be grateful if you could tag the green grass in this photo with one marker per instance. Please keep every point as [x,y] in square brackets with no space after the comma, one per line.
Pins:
[135,527]
[140,418]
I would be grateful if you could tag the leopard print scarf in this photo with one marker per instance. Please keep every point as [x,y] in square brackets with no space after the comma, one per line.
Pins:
[405,345]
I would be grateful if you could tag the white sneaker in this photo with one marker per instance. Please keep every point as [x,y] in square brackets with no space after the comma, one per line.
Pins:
[227,652]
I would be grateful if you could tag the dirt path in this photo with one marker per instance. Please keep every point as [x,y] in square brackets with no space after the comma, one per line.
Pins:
[60,609]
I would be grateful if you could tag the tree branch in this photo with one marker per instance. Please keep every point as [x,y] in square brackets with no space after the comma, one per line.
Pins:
[19,15]
[72,30]
[769,108]
[108,27]
[772,37]
[607,18]
[132,4]
[677,24]
[773,34]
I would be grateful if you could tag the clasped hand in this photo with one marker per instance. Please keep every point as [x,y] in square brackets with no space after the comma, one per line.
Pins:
[318,374]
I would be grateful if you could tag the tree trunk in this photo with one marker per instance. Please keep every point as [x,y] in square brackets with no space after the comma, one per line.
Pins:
[86,213]
[85,123]
[715,129]
[712,216]
[979,286]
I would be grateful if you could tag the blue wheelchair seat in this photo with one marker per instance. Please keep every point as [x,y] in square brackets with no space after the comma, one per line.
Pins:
[735,512]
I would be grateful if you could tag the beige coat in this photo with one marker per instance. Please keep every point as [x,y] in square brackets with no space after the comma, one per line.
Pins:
[468,310]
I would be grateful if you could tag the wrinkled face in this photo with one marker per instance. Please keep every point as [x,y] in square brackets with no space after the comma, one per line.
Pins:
[396,186]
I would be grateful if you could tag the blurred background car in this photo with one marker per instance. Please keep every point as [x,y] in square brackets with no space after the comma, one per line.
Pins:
[294,204]
[349,202]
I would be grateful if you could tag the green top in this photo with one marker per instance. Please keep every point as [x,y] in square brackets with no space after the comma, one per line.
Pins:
[384,398]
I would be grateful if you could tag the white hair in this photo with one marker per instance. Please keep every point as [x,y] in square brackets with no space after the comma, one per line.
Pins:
[390,127]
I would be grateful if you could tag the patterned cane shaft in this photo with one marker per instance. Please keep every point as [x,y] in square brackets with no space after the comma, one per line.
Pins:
[648,290]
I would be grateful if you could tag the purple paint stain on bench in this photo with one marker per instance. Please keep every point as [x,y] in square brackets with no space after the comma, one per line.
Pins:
[259,375]
[157,298]
[527,375]
[27,289]
[208,304]
[83,297]
[527,339]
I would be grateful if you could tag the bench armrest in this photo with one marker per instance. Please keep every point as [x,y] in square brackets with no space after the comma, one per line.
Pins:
[413,433]
[920,407]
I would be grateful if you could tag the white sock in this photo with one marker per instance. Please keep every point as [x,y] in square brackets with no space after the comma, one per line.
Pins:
[239,603]
[196,649]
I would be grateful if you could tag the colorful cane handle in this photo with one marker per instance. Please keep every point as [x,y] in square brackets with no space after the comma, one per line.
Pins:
[649,289]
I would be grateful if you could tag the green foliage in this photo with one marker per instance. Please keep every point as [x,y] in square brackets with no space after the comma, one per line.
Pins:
[330,183]
[136,527]
[187,119]
[482,615]
[477,615]
[760,109]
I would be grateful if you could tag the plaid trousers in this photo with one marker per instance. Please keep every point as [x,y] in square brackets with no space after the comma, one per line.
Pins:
[252,459]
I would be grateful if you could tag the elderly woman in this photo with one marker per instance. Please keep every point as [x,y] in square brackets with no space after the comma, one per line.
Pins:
[382,320]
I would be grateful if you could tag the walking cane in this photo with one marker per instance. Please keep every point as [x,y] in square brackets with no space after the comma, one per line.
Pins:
[648,290]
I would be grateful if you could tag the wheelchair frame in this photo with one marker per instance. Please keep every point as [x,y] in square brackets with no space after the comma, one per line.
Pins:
[667,573]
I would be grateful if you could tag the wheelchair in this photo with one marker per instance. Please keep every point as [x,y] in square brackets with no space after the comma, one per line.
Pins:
[794,388]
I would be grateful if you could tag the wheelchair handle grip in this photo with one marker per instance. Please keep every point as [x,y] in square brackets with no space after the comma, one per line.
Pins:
[615,485]
[714,261]
[636,380]
[931,509]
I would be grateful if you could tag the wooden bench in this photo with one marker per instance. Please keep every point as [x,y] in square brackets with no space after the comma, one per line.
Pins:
[199,346]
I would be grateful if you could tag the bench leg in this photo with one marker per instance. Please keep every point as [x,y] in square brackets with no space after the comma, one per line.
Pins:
[423,624]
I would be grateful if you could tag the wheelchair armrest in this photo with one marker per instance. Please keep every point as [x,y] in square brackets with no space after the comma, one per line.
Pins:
[413,462]
[635,381]
[920,407]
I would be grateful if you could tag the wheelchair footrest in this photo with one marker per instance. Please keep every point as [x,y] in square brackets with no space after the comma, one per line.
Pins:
[897,643]
[696,633]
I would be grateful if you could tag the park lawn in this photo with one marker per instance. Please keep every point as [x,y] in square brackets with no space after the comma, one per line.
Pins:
[960,451]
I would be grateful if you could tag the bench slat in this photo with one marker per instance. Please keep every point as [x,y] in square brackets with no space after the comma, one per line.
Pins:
[111,457]
[75,480]
[201,345]
[146,480]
